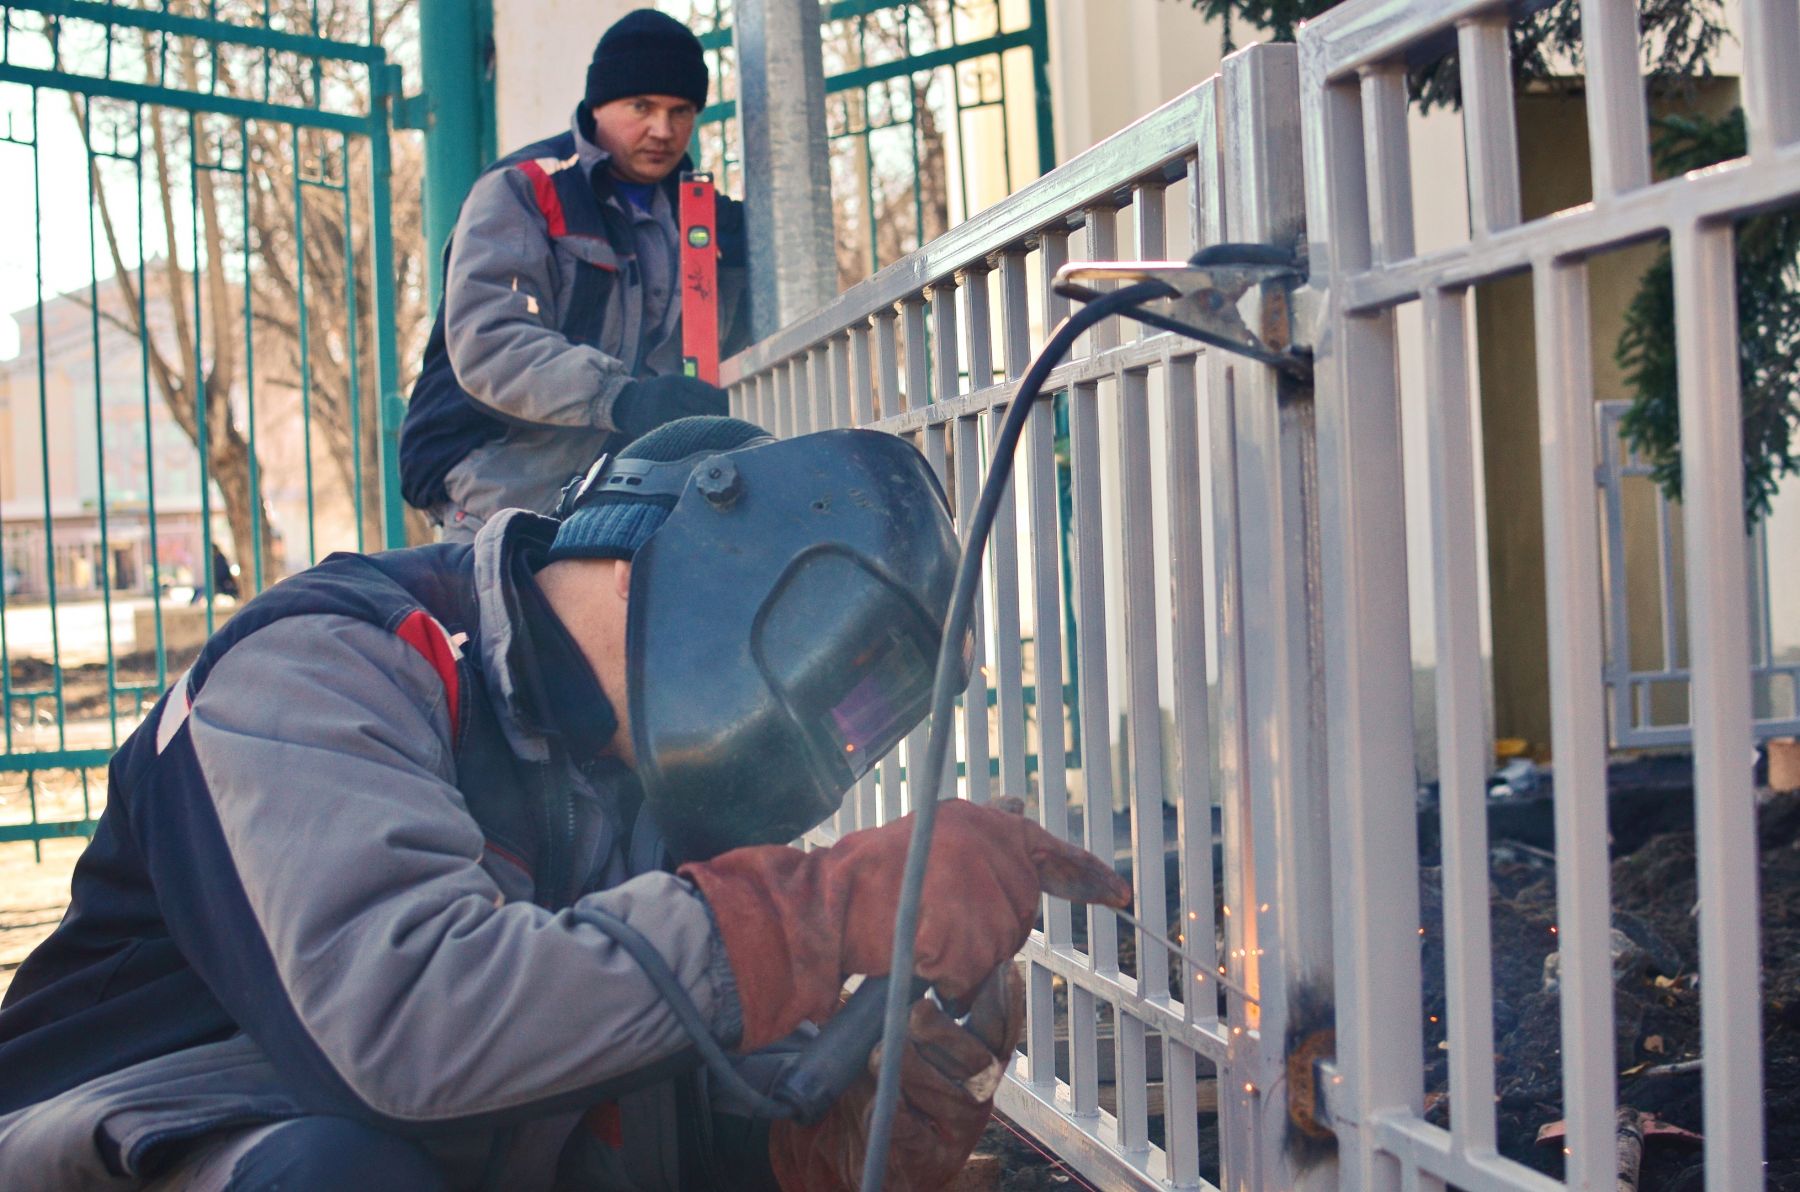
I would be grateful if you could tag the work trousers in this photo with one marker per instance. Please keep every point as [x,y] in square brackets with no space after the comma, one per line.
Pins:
[303,1155]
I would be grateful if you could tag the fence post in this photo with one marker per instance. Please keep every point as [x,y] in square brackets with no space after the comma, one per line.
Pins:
[451,68]
[1367,657]
[1284,905]
[781,101]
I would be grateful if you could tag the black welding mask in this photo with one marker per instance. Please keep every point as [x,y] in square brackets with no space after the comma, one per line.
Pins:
[782,633]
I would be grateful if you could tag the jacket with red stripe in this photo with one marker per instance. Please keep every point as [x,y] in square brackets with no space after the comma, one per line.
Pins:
[331,877]
[545,317]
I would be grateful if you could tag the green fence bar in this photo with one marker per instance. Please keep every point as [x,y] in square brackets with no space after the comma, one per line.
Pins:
[186,418]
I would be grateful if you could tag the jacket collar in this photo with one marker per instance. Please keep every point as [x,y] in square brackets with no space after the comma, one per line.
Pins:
[499,617]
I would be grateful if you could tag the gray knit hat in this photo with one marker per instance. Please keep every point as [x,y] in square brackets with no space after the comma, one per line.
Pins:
[614,523]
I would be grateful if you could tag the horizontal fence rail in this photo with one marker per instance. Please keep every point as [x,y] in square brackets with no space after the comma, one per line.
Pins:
[1110,618]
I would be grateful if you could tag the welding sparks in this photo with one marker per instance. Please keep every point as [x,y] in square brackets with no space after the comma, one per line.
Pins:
[1222,979]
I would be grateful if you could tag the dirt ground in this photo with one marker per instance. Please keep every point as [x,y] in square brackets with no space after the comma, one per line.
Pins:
[1656,1005]
[32,898]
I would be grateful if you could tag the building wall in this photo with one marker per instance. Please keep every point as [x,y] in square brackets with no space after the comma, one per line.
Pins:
[541,55]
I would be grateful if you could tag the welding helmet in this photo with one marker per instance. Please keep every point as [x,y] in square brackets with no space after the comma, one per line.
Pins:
[783,628]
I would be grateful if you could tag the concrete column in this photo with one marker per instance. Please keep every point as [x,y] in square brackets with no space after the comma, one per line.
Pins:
[541,55]
[787,179]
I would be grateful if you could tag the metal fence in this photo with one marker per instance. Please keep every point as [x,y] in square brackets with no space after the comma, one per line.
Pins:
[1646,641]
[1128,1044]
[1360,221]
[204,392]
[1240,615]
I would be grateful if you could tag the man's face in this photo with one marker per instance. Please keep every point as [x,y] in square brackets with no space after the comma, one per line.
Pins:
[646,134]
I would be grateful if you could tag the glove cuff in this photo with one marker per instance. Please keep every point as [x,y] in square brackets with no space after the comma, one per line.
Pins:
[782,947]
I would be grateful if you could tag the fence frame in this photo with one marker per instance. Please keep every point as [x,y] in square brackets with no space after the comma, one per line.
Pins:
[97,78]
[1234,141]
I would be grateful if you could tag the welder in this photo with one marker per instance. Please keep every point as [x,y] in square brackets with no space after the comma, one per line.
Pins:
[409,880]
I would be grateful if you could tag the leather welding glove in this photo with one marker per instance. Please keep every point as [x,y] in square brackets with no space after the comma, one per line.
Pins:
[644,405]
[794,923]
[947,1083]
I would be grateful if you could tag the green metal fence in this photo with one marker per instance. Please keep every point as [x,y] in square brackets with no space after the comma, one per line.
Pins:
[204,392]
[935,109]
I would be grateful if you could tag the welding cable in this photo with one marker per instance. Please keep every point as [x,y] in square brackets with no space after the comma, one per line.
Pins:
[949,667]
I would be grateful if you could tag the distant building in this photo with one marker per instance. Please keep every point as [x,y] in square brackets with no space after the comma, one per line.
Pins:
[77,404]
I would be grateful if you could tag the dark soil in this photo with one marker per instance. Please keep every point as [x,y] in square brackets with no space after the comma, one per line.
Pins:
[1657,1002]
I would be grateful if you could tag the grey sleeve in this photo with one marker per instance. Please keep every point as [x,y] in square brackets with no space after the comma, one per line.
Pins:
[323,741]
[501,317]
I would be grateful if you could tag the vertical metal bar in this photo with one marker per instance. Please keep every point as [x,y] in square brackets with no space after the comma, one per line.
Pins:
[43,388]
[1618,594]
[305,349]
[1463,746]
[1578,729]
[800,381]
[842,414]
[1090,611]
[1771,41]
[1144,734]
[861,388]
[354,363]
[390,408]
[1047,616]
[1131,1082]
[887,362]
[1706,333]
[918,395]
[1618,127]
[257,530]
[143,314]
[1283,712]
[1368,653]
[1489,132]
[824,398]
[197,375]
[946,386]
[1384,106]
[1181,1131]
[1003,556]
[101,502]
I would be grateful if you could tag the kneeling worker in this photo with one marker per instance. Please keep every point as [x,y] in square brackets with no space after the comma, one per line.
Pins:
[361,909]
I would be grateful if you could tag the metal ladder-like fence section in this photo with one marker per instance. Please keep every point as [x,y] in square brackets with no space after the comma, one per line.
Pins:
[1142,1067]
[1647,680]
[1360,220]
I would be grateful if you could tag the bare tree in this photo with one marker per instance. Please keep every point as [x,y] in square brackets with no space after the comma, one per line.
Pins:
[327,212]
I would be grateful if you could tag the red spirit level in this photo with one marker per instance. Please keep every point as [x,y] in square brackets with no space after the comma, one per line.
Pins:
[699,278]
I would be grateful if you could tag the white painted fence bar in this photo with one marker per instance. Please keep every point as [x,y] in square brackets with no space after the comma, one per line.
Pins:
[1706,328]
[1354,177]
[1577,715]
[1194,633]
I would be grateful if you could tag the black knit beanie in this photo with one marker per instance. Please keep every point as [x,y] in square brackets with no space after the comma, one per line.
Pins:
[647,53]
[614,525]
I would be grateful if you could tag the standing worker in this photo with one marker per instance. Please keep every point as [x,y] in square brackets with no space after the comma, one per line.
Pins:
[385,882]
[559,332]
